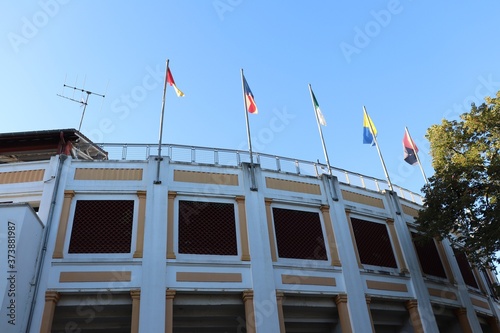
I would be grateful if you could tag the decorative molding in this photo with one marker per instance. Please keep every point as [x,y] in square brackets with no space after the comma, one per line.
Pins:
[389,286]
[308,280]
[207,277]
[270,229]
[205,177]
[362,199]
[108,174]
[170,225]
[442,293]
[242,218]
[63,225]
[25,176]
[410,210]
[141,219]
[292,186]
[480,303]
[110,276]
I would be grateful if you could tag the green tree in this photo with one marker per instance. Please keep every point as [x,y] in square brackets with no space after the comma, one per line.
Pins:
[461,199]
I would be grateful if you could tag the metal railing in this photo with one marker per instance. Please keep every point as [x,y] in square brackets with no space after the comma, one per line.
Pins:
[234,158]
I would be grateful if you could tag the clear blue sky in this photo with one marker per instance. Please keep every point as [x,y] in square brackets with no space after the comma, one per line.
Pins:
[411,63]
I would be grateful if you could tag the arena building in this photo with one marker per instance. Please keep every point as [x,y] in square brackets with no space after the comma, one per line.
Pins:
[112,238]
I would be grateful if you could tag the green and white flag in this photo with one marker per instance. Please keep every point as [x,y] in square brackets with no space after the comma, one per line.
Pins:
[321,118]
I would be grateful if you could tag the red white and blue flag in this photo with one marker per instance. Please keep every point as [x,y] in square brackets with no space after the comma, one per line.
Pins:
[250,101]
[410,155]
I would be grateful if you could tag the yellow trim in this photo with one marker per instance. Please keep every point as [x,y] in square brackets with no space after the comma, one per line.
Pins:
[390,286]
[63,224]
[479,280]
[293,186]
[207,277]
[332,245]
[480,303]
[353,239]
[108,174]
[111,276]
[242,217]
[51,299]
[170,225]
[368,301]
[410,210]
[362,199]
[343,310]
[281,316]
[308,280]
[141,219]
[136,306]
[397,246]
[442,293]
[444,260]
[270,229]
[24,176]
[461,315]
[205,177]
[416,321]
[169,310]
[249,311]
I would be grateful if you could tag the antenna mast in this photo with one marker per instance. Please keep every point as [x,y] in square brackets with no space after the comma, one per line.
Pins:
[83,102]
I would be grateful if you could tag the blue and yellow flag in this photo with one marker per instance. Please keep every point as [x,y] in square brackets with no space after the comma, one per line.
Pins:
[369,129]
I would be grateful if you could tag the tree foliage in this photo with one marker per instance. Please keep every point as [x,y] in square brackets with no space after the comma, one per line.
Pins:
[461,199]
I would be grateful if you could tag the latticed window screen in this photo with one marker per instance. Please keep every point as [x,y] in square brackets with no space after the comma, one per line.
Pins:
[429,257]
[102,226]
[207,228]
[373,243]
[299,234]
[465,268]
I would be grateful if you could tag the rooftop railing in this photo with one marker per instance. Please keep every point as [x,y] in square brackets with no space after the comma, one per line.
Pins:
[234,158]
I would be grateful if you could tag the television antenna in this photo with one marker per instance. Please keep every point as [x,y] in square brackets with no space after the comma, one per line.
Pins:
[83,102]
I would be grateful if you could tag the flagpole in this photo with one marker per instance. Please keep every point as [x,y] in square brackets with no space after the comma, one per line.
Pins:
[416,155]
[159,158]
[320,132]
[378,150]
[252,175]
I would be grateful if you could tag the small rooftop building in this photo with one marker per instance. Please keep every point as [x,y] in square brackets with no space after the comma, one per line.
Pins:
[114,239]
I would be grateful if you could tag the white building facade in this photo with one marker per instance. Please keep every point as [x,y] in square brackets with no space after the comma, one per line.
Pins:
[201,241]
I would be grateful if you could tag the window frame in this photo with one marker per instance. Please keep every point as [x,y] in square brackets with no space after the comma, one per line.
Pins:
[295,261]
[442,260]
[206,257]
[367,267]
[102,197]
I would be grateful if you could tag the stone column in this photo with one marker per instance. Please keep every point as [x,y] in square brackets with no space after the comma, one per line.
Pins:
[51,299]
[368,301]
[249,311]
[416,322]
[136,304]
[345,320]
[281,317]
[169,311]
[461,314]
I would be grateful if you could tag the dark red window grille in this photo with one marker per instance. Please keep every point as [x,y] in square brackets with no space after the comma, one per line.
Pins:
[373,243]
[429,257]
[207,228]
[299,234]
[102,226]
[465,268]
